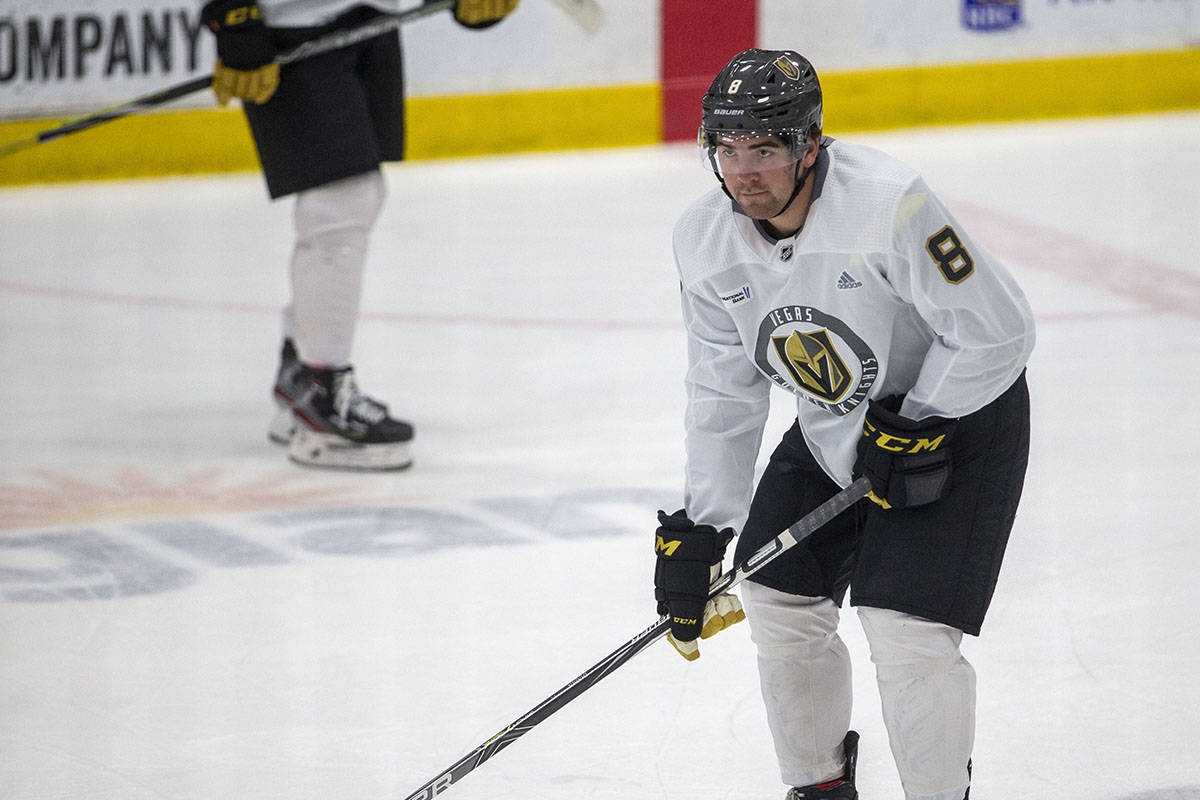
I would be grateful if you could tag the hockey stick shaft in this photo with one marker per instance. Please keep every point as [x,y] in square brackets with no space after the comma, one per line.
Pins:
[332,41]
[587,14]
[763,556]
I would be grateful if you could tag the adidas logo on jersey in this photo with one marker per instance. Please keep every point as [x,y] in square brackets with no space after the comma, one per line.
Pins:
[846,281]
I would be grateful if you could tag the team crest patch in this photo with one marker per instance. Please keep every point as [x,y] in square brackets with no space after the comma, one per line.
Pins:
[817,357]
[813,363]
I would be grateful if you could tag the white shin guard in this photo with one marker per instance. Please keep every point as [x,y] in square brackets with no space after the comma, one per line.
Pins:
[927,691]
[333,223]
[804,671]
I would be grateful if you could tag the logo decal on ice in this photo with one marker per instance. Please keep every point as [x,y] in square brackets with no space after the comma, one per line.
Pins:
[137,535]
[816,356]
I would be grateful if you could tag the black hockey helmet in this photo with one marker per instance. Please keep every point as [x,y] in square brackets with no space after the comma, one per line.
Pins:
[763,91]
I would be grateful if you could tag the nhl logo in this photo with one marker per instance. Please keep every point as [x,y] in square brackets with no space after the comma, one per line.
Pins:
[785,253]
[990,16]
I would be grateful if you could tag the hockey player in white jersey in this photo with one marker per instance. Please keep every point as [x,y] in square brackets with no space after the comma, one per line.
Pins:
[831,271]
[322,127]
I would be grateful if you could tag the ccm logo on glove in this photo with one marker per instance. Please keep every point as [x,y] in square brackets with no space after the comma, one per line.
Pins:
[235,16]
[907,461]
[900,444]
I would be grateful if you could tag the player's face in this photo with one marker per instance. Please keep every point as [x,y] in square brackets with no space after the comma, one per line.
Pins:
[760,173]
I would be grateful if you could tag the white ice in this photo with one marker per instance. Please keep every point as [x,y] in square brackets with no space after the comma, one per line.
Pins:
[184,615]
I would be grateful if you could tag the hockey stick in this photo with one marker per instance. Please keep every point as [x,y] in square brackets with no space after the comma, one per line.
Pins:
[332,41]
[765,554]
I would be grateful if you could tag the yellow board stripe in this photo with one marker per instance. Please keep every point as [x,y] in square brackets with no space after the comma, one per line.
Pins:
[996,92]
[162,143]
[218,140]
[563,119]
[213,140]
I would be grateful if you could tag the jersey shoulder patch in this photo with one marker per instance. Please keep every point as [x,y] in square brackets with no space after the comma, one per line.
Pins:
[863,194]
[705,240]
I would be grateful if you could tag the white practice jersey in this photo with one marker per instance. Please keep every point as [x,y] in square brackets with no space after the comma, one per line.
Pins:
[311,13]
[880,293]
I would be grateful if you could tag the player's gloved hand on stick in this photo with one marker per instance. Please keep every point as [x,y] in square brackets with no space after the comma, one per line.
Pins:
[907,461]
[689,560]
[482,13]
[246,53]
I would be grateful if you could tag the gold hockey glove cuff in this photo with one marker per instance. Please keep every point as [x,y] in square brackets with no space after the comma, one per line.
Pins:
[245,66]
[482,13]
[255,86]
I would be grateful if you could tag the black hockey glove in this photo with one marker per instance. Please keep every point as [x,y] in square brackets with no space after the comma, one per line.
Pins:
[907,462]
[246,53]
[482,13]
[689,560]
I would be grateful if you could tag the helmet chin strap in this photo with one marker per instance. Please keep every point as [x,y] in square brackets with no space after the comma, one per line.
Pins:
[800,181]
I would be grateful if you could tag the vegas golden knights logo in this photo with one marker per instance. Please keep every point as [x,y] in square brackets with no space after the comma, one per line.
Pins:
[788,68]
[813,363]
[804,350]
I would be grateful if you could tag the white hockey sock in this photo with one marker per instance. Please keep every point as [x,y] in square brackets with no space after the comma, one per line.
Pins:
[804,672]
[333,223]
[928,694]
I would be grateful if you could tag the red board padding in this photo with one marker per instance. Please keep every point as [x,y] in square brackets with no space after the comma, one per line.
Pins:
[698,38]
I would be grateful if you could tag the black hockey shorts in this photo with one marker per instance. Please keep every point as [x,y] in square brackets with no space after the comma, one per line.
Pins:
[334,115]
[939,561]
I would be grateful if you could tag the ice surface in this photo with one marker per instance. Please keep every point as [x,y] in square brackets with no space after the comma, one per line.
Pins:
[184,615]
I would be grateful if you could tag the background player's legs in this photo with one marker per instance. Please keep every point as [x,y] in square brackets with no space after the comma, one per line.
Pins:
[333,223]
[322,136]
[927,690]
[804,672]
[334,424]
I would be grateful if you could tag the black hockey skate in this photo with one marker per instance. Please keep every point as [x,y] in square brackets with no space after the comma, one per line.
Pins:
[339,426]
[839,789]
[291,382]
[332,423]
